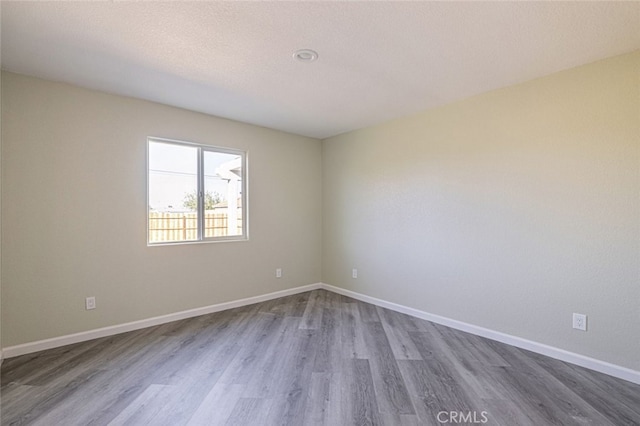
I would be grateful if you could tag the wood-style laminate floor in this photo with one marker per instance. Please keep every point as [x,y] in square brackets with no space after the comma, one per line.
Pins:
[315,358]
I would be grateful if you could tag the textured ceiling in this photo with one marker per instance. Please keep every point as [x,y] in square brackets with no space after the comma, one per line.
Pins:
[378,60]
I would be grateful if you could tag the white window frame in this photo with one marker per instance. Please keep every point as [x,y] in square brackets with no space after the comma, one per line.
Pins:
[201,149]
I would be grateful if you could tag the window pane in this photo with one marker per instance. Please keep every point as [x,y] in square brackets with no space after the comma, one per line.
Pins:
[223,194]
[173,189]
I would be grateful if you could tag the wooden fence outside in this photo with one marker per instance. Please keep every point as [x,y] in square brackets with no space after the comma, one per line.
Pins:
[170,227]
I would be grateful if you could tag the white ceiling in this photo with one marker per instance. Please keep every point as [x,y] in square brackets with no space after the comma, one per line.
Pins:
[377,60]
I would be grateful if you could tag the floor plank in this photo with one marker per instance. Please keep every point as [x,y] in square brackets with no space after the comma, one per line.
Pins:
[401,344]
[217,406]
[391,391]
[359,397]
[353,345]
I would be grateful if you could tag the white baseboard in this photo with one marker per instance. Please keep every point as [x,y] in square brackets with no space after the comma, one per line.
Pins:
[553,352]
[550,351]
[69,339]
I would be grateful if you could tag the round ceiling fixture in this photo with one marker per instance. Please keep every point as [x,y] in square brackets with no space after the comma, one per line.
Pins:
[305,55]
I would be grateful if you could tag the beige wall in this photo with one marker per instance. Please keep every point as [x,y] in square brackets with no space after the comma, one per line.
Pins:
[510,210]
[74,206]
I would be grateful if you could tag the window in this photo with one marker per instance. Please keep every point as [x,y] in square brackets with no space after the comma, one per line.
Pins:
[195,193]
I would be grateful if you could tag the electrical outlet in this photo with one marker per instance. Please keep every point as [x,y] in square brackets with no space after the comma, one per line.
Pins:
[278,272]
[580,322]
[90,303]
[354,273]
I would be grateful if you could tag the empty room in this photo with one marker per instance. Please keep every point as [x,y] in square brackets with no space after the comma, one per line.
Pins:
[319,213]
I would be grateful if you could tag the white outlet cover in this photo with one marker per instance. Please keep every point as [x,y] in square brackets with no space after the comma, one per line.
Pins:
[278,273]
[90,303]
[580,322]
[354,273]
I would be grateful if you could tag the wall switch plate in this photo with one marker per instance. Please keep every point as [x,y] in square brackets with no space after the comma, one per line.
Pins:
[90,303]
[354,273]
[278,272]
[580,322]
